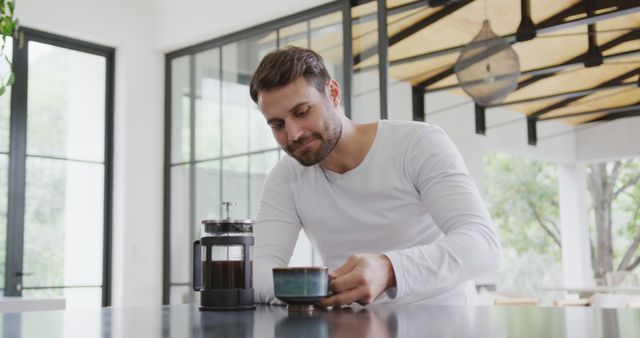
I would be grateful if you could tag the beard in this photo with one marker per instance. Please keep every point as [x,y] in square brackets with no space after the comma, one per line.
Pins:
[327,141]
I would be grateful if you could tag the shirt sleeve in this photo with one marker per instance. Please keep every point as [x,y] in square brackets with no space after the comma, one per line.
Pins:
[470,245]
[276,231]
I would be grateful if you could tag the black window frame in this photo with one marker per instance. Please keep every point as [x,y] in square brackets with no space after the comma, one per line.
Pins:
[343,6]
[17,156]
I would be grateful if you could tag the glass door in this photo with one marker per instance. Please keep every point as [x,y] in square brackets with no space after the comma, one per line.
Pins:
[60,178]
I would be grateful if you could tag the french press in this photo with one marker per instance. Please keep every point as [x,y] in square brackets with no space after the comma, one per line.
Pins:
[222,264]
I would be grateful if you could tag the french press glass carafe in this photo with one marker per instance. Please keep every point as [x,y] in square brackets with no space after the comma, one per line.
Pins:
[222,264]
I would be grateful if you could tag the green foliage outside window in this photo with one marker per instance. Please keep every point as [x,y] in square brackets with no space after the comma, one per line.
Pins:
[630,207]
[522,196]
[625,210]
[8,28]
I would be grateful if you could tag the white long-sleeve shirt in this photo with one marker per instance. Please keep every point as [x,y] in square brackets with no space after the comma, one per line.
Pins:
[411,198]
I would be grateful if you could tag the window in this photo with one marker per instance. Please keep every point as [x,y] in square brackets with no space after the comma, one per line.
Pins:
[523,198]
[221,148]
[58,171]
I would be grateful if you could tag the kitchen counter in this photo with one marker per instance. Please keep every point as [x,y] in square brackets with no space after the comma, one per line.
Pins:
[374,321]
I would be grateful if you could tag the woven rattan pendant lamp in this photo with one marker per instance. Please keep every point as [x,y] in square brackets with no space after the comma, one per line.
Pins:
[487,68]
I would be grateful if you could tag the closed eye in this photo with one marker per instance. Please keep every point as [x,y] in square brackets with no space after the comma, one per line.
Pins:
[302,112]
[276,125]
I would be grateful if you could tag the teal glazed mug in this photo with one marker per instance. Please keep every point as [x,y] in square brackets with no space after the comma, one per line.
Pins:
[304,286]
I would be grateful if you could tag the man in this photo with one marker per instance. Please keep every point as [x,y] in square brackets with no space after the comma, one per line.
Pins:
[389,205]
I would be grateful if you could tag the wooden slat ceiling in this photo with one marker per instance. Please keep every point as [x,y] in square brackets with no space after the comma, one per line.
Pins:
[615,35]
[456,23]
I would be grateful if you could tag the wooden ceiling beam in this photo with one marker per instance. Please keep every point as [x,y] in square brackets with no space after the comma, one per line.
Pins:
[567,97]
[611,110]
[614,116]
[581,7]
[609,84]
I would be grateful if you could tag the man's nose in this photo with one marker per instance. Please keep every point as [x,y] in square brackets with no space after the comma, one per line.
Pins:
[293,131]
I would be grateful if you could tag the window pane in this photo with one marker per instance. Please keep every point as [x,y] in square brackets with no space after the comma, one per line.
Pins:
[261,165]
[235,118]
[243,129]
[181,233]
[366,86]
[4,169]
[295,35]
[260,135]
[63,233]
[66,103]
[326,39]
[5,100]
[207,122]
[235,115]
[180,111]
[235,185]
[520,192]
[366,97]
[208,203]
[326,36]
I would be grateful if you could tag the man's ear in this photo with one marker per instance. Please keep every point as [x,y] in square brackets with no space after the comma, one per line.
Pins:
[334,92]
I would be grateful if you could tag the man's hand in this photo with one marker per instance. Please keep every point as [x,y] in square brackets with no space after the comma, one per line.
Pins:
[361,279]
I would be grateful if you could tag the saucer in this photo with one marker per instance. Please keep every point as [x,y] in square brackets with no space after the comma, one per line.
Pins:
[302,304]
[301,300]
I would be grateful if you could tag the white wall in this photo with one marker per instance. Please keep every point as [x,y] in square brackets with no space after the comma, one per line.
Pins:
[612,140]
[187,22]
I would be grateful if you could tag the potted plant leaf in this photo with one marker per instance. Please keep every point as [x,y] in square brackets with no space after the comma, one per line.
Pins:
[8,28]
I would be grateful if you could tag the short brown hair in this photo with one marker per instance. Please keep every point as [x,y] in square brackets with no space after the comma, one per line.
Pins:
[286,65]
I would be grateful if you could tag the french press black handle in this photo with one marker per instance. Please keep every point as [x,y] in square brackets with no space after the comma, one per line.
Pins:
[197,272]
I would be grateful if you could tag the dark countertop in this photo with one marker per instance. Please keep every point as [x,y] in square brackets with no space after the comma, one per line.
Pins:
[374,321]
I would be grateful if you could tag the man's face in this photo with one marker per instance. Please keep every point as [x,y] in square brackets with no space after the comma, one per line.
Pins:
[304,121]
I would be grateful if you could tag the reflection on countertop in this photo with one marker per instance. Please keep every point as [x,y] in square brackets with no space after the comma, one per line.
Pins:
[380,321]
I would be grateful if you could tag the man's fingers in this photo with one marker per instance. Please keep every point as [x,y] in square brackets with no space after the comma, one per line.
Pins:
[340,299]
[351,263]
[346,282]
[360,279]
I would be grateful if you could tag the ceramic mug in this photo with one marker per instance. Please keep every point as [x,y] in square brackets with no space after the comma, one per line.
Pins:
[301,285]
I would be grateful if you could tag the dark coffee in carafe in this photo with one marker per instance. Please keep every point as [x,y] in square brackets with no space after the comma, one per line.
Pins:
[225,275]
